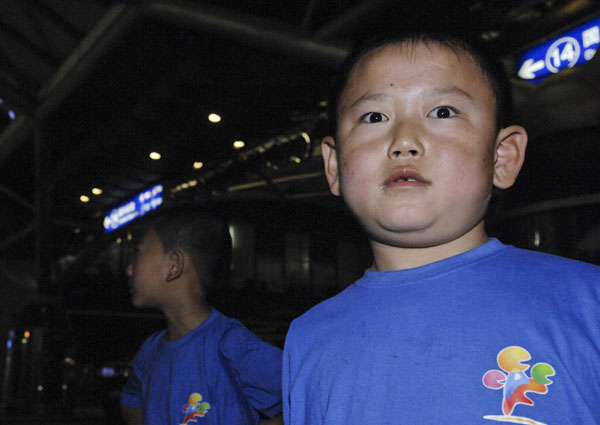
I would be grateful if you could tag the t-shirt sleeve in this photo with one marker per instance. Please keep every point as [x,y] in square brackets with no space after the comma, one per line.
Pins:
[257,366]
[131,393]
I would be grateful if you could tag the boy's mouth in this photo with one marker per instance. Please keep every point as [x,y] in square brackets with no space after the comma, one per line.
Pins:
[405,177]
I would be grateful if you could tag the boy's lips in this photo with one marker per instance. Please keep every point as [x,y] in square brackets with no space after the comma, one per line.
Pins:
[405,177]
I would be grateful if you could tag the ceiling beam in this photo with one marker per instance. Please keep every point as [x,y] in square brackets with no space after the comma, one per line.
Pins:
[255,32]
[120,19]
[16,197]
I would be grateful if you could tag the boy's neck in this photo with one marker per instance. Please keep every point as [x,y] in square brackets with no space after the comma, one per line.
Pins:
[388,257]
[183,319]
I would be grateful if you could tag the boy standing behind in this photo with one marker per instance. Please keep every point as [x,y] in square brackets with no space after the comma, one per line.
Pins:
[448,326]
[205,366]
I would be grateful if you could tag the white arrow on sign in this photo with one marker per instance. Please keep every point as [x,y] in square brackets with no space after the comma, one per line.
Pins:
[529,68]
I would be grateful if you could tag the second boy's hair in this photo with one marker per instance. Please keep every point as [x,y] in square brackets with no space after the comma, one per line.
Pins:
[200,232]
[493,70]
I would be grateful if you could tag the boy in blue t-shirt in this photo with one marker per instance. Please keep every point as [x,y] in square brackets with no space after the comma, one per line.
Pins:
[447,326]
[205,367]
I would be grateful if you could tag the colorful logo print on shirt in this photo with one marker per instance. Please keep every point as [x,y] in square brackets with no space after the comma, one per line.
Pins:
[516,383]
[194,409]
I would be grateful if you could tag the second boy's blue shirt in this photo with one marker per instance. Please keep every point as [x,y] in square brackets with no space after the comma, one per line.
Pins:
[190,380]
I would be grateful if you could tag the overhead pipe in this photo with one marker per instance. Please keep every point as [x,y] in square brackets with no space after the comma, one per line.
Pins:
[120,19]
[252,31]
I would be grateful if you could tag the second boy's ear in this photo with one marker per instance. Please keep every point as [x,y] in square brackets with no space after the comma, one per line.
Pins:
[332,171]
[176,262]
[509,155]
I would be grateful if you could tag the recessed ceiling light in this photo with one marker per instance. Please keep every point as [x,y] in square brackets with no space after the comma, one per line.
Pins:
[154,155]
[97,191]
[238,144]
[305,136]
[214,117]
[84,198]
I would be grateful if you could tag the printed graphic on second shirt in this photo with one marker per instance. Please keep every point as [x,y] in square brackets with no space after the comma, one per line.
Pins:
[516,384]
[194,408]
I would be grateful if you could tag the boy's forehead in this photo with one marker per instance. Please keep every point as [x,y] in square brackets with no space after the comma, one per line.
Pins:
[409,51]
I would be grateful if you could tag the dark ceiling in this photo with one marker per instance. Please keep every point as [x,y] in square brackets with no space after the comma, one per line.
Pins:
[96,85]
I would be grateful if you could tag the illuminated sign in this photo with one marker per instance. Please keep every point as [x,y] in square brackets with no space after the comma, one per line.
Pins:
[574,47]
[143,203]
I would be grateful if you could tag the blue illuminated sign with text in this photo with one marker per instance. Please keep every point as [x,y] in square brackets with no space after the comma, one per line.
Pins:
[143,203]
[572,48]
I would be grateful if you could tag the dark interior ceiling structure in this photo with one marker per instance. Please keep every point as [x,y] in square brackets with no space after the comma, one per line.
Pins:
[90,87]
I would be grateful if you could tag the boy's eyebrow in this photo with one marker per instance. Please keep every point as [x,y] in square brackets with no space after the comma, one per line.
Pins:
[436,91]
[369,98]
[447,90]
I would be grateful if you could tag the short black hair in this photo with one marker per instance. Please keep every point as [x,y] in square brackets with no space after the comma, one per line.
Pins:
[201,232]
[491,68]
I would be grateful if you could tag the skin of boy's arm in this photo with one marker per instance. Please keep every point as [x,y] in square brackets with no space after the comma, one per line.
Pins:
[133,415]
[275,420]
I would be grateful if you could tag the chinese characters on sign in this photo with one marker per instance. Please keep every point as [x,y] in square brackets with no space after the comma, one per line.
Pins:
[143,203]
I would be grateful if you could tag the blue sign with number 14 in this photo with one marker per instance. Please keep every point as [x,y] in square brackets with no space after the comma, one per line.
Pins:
[574,47]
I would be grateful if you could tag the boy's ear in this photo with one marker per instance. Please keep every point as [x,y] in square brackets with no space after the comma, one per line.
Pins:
[176,263]
[328,150]
[509,155]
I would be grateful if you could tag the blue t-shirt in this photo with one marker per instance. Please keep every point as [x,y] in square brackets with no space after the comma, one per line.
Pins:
[191,379]
[496,334]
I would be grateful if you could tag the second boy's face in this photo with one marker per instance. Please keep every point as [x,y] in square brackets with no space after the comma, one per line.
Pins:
[415,148]
[147,271]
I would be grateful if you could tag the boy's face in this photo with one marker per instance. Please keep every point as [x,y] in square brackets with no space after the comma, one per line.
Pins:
[416,145]
[148,271]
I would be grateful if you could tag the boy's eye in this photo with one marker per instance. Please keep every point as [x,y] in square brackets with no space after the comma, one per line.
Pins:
[443,112]
[373,117]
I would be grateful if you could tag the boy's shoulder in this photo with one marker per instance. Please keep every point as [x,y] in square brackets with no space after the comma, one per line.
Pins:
[503,264]
[560,267]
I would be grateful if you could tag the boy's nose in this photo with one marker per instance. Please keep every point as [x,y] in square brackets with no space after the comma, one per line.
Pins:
[405,147]
[405,142]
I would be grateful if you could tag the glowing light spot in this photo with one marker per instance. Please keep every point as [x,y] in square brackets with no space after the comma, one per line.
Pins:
[193,183]
[97,191]
[27,334]
[198,165]
[214,118]
[238,144]
[295,159]
[84,198]
[155,156]
[305,136]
